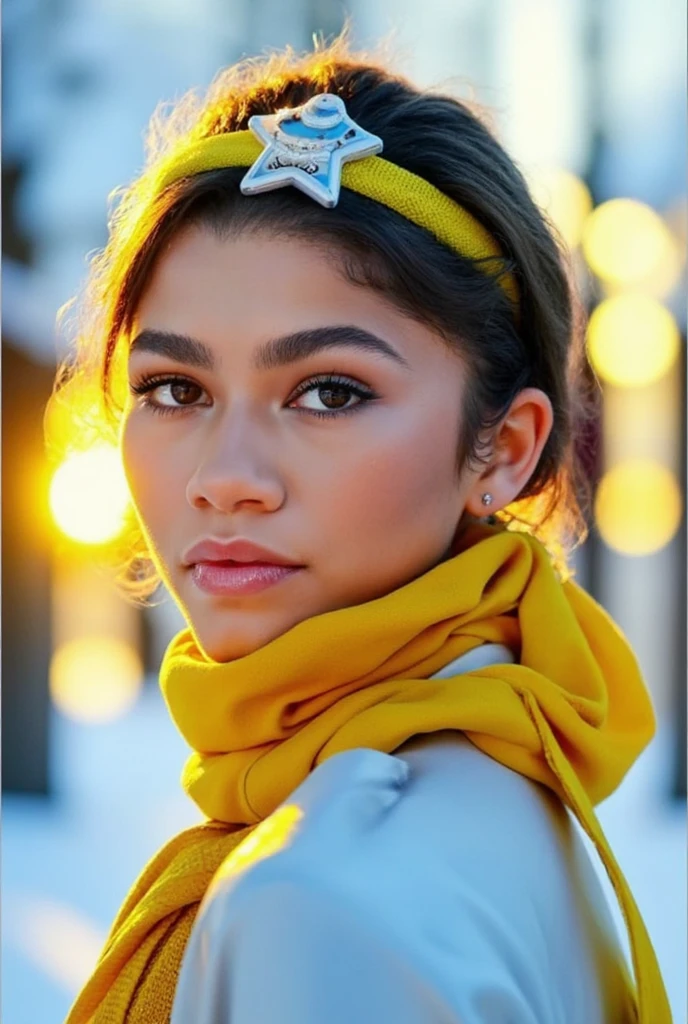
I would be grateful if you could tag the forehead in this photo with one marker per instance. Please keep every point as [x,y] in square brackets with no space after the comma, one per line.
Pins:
[248,271]
[259,287]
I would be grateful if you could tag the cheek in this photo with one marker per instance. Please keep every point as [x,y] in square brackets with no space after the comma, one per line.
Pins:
[405,473]
[155,477]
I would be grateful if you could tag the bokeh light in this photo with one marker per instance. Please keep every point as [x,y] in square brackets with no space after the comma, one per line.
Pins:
[633,340]
[566,199]
[638,507]
[89,495]
[628,245]
[61,940]
[95,678]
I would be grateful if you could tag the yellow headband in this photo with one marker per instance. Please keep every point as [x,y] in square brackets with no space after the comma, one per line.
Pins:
[378,179]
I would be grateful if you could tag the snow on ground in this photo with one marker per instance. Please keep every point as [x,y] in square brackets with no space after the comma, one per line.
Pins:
[68,861]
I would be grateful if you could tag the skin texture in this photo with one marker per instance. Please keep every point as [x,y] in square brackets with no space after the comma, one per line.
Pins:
[366,500]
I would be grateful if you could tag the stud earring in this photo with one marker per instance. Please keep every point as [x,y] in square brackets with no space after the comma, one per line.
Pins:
[487,499]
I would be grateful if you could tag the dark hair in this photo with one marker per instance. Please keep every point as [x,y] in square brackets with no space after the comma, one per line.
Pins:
[442,140]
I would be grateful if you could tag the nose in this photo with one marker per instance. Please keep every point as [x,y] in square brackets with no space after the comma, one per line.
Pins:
[234,471]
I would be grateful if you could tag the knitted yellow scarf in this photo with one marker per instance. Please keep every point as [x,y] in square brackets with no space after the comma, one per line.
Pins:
[572,713]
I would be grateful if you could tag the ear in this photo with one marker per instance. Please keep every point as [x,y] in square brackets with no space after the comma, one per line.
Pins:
[516,447]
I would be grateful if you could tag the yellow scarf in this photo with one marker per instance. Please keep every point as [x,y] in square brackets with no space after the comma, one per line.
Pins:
[572,713]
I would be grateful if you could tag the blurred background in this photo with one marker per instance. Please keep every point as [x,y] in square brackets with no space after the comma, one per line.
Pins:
[589,97]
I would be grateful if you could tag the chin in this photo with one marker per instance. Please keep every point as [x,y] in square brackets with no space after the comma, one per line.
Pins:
[235,652]
[233,638]
[227,629]
[227,647]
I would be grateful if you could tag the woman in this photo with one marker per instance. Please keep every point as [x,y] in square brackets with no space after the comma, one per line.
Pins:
[347,389]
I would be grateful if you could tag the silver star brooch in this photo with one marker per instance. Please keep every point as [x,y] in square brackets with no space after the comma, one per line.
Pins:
[306,147]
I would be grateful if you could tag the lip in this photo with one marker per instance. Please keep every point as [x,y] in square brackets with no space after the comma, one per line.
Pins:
[238,549]
[237,579]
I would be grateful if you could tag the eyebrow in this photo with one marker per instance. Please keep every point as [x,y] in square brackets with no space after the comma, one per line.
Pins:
[282,351]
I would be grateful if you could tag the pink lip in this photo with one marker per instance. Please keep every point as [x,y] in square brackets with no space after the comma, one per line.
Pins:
[226,578]
[235,550]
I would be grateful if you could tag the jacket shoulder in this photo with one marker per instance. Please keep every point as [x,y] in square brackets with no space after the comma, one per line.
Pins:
[436,863]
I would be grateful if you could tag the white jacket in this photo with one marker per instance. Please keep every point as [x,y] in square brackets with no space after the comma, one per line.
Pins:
[434,886]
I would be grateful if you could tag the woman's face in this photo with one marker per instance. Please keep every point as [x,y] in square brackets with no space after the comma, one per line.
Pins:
[235,336]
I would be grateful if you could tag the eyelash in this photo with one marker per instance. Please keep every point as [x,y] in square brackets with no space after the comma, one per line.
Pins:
[145,385]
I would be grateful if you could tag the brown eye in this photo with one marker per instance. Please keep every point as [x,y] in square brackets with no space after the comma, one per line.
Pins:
[333,394]
[184,392]
[168,394]
[334,397]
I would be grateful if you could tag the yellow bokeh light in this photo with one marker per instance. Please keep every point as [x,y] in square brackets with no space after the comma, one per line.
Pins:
[638,507]
[628,245]
[95,678]
[566,199]
[89,495]
[633,340]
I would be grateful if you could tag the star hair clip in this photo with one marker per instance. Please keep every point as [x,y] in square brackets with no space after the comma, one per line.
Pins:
[307,147]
